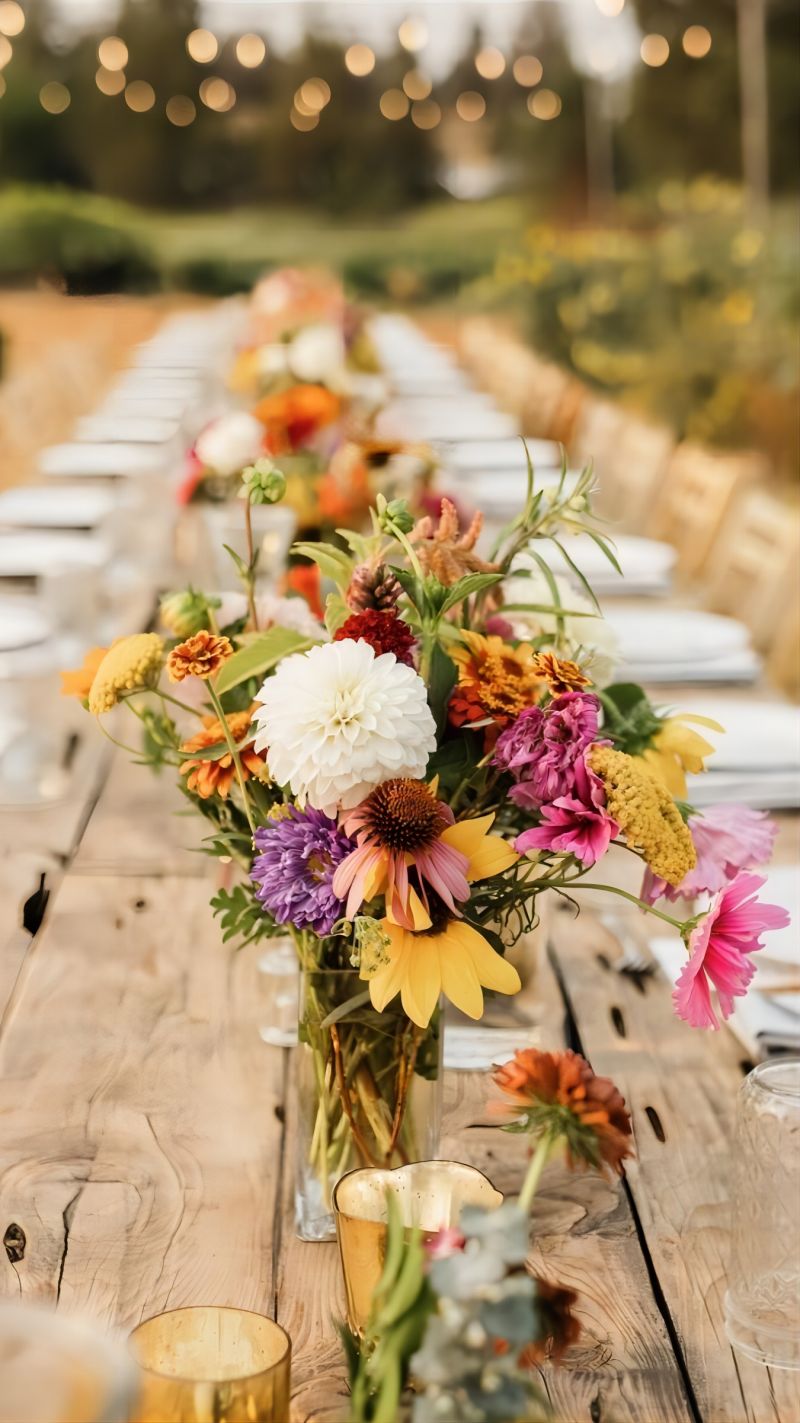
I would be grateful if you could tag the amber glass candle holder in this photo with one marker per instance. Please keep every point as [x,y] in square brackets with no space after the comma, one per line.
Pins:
[431,1196]
[209,1364]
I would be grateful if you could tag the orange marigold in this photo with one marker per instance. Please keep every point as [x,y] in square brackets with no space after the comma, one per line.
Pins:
[560,674]
[199,656]
[495,681]
[292,416]
[78,682]
[558,1094]
[208,778]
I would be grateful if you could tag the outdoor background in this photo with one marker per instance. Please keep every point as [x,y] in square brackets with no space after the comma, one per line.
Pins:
[616,180]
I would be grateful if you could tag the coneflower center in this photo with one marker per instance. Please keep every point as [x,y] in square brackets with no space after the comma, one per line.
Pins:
[402,814]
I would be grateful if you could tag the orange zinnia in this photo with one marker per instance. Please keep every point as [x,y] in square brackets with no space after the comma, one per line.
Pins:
[495,681]
[292,416]
[558,1094]
[208,778]
[78,682]
[199,656]
[560,674]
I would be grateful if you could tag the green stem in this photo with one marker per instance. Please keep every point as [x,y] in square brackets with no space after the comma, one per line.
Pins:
[217,705]
[623,894]
[250,580]
[167,697]
[537,1164]
[131,750]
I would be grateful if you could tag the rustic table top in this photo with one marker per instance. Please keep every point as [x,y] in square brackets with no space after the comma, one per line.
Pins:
[146,1151]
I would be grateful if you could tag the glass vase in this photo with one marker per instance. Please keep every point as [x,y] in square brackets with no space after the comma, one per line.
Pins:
[762,1305]
[369,1090]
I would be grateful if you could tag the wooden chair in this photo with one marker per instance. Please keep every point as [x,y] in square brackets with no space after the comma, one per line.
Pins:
[698,491]
[753,570]
[783,661]
[634,471]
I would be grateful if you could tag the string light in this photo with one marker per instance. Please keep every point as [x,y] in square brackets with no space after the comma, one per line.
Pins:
[544,104]
[470,106]
[413,34]
[54,97]
[217,94]
[6,51]
[696,41]
[654,50]
[490,63]
[527,70]
[394,104]
[180,110]
[12,18]
[303,122]
[427,114]
[359,60]
[416,84]
[610,7]
[312,96]
[140,96]
[250,51]
[202,46]
[110,81]
[112,52]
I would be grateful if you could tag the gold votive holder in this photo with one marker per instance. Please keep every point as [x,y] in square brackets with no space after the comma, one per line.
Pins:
[210,1364]
[430,1195]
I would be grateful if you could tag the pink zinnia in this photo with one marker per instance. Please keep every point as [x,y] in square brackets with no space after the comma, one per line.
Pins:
[727,838]
[541,748]
[718,951]
[575,824]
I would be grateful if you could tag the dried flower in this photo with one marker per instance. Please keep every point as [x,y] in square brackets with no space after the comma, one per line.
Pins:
[557,1095]
[132,664]
[645,813]
[495,681]
[208,777]
[385,632]
[201,655]
[373,588]
[559,673]
[445,551]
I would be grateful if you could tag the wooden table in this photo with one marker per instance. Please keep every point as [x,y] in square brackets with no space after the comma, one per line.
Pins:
[146,1149]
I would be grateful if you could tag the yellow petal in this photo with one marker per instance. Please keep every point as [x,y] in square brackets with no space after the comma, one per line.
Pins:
[666,768]
[460,981]
[384,984]
[491,857]
[422,982]
[492,969]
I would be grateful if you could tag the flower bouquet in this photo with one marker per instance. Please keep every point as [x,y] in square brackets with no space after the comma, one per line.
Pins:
[401,781]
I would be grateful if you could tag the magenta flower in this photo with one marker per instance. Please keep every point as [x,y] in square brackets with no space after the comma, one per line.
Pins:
[719,946]
[727,838]
[575,824]
[542,747]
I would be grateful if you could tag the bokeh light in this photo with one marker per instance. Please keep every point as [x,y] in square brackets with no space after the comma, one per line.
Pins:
[112,52]
[654,50]
[180,110]
[6,51]
[250,51]
[54,97]
[217,94]
[544,104]
[140,96]
[416,84]
[610,7]
[527,70]
[470,106]
[427,114]
[394,104]
[303,122]
[12,18]
[360,60]
[490,63]
[110,81]
[312,96]
[413,34]
[202,46]
[696,41]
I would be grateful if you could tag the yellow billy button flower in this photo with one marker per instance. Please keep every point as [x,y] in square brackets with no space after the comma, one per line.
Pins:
[676,749]
[645,812]
[131,665]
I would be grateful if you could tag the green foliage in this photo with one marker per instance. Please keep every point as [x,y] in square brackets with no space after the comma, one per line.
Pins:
[629,720]
[259,655]
[241,916]
[87,243]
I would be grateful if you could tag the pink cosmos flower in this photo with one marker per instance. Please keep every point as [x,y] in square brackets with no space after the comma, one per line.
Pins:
[718,951]
[727,838]
[576,823]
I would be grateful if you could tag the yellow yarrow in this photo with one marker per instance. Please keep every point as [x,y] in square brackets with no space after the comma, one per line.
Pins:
[130,665]
[645,812]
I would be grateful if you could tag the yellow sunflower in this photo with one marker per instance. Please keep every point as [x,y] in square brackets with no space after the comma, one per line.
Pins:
[677,749]
[451,957]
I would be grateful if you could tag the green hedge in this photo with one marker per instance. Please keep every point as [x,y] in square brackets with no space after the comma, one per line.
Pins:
[85,243]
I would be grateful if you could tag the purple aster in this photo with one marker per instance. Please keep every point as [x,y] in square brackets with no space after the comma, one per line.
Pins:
[541,748]
[293,871]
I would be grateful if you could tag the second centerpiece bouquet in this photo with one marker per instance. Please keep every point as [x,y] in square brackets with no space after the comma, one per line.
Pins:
[399,782]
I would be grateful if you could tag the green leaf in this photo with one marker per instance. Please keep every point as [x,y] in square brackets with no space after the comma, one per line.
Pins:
[441,680]
[581,577]
[465,587]
[605,547]
[336,612]
[259,656]
[411,586]
[331,561]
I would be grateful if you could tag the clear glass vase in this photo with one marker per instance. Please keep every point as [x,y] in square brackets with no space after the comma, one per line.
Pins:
[762,1305]
[369,1089]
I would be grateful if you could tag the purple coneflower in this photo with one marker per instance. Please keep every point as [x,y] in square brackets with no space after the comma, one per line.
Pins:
[298,852]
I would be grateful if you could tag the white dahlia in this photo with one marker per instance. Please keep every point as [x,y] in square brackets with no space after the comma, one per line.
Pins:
[588,637]
[337,721]
[230,442]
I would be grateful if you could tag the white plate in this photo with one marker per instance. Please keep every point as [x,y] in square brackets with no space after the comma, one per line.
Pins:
[21,625]
[30,553]
[760,736]
[653,636]
[45,506]
[125,429]
[102,461]
[642,560]
[481,456]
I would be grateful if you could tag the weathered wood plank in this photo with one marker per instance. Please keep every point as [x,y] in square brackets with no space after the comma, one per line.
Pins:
[142,824]
[141,1114]
[681,1086]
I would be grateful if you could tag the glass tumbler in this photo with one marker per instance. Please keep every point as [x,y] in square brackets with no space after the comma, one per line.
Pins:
[762,1305]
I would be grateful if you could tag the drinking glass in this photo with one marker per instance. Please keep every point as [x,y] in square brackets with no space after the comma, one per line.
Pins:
[210,1364]
[762,1305]
[279,975]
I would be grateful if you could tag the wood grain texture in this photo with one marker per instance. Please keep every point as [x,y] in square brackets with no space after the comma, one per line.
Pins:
[681,1086]
[142,825]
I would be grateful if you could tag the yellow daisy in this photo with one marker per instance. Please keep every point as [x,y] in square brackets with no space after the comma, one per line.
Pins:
[451,957]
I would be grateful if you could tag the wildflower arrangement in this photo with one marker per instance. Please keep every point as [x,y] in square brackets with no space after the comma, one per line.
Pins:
[457,1310]
[401,780]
